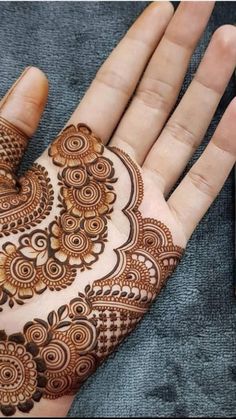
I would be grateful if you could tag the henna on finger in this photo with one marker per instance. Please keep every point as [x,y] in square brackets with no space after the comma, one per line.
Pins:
[53,356]
[13,143]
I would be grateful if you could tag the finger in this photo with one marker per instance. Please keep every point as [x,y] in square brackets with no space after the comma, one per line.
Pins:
[103,104]
[192,198]
[3,100]
[20,112]
[187,126]
[162,80]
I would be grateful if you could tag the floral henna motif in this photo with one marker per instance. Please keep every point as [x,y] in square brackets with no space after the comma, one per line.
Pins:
[75,339]
[75,239]
[22,374]
[50,358]
[78,236]
[29,269]
[75,146]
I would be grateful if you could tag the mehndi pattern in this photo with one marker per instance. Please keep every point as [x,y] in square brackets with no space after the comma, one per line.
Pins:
[67,347]
[46,259]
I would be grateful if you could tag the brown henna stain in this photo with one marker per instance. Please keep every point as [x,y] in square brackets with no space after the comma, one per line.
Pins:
[46,259]
[26,201]
[75,339]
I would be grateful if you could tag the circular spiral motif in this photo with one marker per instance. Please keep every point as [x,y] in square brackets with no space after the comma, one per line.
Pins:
[83,336]
[80,307]
[74,144]
[156,235]
[18,374]
[151,239]
[101,169]
[58,386]
[95,226]
[74,177]
[11,372]
[85,366]
[59,356]
[69,223]
[20,272]
[5,205]
[75,244]
[90,195]
[38,241]
[36,333]
[55,275]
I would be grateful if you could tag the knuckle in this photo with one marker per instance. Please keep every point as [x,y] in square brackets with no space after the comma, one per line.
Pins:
[113,79]
[225,38]
[155,94]
[202,183]
[182,134]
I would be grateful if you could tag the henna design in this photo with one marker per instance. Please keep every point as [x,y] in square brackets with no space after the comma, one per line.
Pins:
[50,358]
[29,269]
[75,339]
[75,146]
[22,378]
[78,236]
[28,203]
[12,146]
[46,259]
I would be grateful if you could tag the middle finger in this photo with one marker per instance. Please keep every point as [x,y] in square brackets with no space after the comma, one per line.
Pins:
[162,80]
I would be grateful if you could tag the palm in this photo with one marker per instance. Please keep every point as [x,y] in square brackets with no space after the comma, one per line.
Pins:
[77,213]
[81,233]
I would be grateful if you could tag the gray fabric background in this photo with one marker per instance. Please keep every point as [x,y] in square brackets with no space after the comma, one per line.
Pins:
[180,362]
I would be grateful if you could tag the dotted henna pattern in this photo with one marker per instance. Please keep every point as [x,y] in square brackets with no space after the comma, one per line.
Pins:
[46,259]
[12,146]
[74,340]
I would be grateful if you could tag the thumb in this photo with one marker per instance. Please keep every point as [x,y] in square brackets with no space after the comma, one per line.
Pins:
[20,112]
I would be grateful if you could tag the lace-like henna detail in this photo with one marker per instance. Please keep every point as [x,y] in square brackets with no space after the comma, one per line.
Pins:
[75,339]
[47,258]
[12,146]
[26,202]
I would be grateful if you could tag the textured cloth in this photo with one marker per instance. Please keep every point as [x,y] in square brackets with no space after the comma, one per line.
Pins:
[180,361]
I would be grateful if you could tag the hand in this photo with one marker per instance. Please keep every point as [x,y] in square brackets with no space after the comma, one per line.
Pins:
[87,235]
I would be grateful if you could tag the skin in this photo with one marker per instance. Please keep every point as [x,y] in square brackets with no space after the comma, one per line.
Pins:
[163,46]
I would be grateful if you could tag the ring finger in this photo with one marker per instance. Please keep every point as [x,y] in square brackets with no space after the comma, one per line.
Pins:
[188,124]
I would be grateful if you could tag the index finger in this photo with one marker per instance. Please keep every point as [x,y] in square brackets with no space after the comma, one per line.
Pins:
[115,82]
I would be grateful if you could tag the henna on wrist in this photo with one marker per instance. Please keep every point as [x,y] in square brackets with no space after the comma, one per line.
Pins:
[52,357]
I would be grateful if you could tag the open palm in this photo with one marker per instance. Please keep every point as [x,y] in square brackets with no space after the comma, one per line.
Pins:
[87,235]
